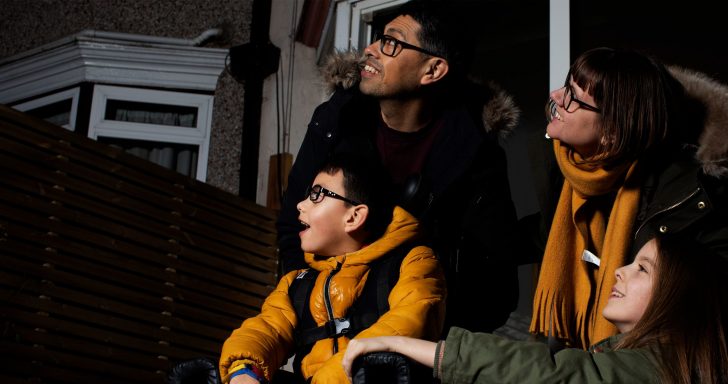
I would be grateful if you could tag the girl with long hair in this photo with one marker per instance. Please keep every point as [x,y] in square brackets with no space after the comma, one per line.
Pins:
[669,304]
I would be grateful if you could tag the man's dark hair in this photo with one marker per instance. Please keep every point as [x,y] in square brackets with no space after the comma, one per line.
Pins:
[440,32]
[367,182]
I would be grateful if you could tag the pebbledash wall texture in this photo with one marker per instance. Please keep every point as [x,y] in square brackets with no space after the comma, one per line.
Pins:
[29,24]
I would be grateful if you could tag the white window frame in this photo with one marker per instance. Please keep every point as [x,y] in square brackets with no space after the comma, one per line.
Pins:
[353,20]
[72,94]
[124,60]
[198,135]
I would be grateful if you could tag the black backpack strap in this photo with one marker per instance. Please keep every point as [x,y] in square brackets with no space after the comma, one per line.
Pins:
[365,311]
[300,294]
[330,329]
[374,300]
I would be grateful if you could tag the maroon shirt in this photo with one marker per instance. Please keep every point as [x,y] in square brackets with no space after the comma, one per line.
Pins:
[405,153]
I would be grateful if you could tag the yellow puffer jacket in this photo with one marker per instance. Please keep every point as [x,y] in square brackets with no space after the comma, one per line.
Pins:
[416,302]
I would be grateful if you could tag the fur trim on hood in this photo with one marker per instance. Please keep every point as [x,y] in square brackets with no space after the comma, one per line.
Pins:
[713,141]
[499,112]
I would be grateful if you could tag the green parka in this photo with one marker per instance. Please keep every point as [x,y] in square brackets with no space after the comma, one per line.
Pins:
[485,358]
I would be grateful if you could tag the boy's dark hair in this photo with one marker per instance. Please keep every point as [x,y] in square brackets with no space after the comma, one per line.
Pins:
[366,182]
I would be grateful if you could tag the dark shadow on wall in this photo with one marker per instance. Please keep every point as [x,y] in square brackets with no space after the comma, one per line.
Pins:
[689,34]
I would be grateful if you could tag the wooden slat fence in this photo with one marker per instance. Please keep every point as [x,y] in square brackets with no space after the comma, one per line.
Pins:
[112,269]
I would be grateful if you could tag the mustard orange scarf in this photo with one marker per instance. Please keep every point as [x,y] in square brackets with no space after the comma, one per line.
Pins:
[596,211]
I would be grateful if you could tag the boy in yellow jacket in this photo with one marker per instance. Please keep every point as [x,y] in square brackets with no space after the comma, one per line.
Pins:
[349,225]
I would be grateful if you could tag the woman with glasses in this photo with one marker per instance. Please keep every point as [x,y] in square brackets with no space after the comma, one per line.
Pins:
[640,150]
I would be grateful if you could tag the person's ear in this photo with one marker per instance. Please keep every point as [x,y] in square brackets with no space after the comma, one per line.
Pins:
[356,218]
[436,69]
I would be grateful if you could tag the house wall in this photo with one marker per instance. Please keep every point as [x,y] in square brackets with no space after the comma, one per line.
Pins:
[29,24]
[304,88]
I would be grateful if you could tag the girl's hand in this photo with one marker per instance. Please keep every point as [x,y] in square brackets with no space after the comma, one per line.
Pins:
[421,351]
[358,347]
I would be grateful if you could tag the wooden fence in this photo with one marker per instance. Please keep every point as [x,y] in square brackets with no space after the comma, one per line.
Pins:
[112,269]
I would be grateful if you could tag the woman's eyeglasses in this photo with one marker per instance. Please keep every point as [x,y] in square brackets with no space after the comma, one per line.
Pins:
[316,194]
[570,99]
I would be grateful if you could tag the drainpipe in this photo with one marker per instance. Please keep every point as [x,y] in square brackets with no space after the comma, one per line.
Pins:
[251,63]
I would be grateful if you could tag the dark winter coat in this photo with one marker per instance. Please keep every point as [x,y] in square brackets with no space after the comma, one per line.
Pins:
[463,199]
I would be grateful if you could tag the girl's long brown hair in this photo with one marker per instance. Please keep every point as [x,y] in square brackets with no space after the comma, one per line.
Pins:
[685,322]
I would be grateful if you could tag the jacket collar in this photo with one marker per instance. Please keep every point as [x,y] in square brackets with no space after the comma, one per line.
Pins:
[404,227]
[496,107]
[607,344]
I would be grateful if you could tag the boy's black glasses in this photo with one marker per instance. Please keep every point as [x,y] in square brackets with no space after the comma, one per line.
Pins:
[392,47]
[569,98]
[316,194]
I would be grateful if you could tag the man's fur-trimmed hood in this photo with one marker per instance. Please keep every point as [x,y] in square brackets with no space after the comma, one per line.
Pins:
[499,112]
[713,140]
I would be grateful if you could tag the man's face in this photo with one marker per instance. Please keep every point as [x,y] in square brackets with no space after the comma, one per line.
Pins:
[324,221]
[394,77]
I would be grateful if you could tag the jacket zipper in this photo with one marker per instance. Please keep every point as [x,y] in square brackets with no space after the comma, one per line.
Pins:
[327,300]
[682,201]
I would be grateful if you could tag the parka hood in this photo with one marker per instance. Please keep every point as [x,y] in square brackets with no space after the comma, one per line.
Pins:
[713,140]
[404,227]
[499,112]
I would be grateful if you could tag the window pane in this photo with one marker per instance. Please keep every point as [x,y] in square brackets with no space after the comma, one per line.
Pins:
[179,157]
[151,113]
[58,113]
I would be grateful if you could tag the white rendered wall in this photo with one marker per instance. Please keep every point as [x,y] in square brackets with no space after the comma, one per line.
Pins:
[307,90]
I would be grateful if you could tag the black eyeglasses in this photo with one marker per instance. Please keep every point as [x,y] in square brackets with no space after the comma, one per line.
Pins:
[316,194]
[392,47]
[569,98]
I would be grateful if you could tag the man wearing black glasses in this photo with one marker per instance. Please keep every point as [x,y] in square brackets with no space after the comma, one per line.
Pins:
[407,101]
